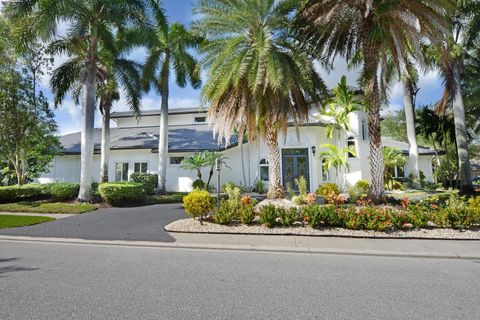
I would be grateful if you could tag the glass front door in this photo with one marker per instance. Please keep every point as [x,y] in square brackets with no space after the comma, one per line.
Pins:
[295,164]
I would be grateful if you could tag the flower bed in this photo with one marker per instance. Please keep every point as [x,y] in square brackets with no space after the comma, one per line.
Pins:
[432,216]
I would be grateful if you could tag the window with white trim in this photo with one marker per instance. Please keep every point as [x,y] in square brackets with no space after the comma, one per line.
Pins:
[140,167]
[264,176]
[121,171]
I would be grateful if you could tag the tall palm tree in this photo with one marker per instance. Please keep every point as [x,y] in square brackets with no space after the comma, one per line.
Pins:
[169,48]
[335,157]
[259,79]
[91,23]
[371,29]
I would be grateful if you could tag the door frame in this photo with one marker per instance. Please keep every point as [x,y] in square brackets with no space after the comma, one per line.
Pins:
[307,155]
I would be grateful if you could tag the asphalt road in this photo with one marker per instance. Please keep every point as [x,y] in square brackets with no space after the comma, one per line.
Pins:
[62,281]
[138,223]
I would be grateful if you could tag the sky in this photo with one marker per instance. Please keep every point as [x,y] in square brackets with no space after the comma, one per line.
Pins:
[69,115]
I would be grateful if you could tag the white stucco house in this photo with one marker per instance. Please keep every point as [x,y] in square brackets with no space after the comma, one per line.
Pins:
[134,148]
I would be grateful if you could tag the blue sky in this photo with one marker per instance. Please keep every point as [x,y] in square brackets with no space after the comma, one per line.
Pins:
[68,115]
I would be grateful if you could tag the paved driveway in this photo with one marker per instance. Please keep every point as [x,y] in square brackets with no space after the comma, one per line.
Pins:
[140,223]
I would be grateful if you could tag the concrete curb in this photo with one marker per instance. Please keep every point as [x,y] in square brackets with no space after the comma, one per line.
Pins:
[244,248]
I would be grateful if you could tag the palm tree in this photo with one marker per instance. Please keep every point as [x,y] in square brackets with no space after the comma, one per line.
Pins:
[259,80]
[372,29]
[211,159]
[91,24]
[334,157]
[463,37]
[393,157]
[338,107]
[169,48]
[196,162]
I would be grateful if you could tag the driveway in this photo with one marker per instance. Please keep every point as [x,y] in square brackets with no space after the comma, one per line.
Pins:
[139,223]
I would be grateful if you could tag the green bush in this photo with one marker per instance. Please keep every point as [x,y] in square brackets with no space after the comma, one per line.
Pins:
[232,185]
[259,187]
[362,185]
[330,216]
[311,215]
[64,191]
[246,213]
[198,184]
[287,217]
[26,192]
[329,191]
[198,203]
[226,214]
[301,185]
[122,193]
[148,180]
[268,215]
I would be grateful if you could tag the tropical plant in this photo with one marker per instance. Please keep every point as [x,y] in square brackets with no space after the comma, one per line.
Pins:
[335,157]
[91,24]
[259,79]
[393,157]
[196,162]
[338,107]
[365,31]
[169,48]
[212,158]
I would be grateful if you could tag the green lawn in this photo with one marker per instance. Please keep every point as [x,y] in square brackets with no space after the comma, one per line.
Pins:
[47,207]
[20,221]
[170,198]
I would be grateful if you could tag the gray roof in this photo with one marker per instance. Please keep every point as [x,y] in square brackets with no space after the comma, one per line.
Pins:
[389,142]
[180,139]
[129,114]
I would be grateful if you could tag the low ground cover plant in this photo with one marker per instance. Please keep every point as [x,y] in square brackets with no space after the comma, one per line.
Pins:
[20,221]
[47,207]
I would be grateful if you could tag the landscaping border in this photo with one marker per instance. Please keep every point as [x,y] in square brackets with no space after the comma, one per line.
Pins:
[185,226]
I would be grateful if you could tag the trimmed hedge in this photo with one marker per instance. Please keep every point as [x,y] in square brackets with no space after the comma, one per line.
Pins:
[148,180]
[122,193]
[64,191]
[25,192]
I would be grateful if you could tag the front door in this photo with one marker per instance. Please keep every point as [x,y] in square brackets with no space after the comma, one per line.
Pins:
[295,164]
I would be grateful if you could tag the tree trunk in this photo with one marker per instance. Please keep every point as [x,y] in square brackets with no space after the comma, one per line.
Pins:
[464,168]
[411,134]
[275,189]
[163,136]
[105,152]
[86,155]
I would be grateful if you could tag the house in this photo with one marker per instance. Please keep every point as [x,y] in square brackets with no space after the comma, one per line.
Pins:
[134,148]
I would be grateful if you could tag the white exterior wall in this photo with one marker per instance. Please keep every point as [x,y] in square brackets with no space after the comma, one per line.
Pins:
[150,121]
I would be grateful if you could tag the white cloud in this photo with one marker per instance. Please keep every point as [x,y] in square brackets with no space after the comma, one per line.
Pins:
[70,110]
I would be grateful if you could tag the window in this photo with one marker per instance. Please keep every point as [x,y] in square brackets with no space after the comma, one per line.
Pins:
[140,167]
[200,119]
[176,160]
[121,171]
[399,172]
[264,170]
[325,176]
[364,130]
[351,143]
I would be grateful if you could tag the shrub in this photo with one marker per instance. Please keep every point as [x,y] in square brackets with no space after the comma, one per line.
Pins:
[362,185]
[395,185]
[232,185]
[301,183]
[198,184]
[198,203]
[122,193]
[225,214]
[370,218]
[309,198]
[287,217]
[246,213]
[259,187]
[64,191]
[25,192]
[311,215]
[329,215]
[268,215]
[329,191]
[148,180]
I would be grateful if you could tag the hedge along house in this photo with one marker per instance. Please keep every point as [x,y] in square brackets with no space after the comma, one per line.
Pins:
[134,148]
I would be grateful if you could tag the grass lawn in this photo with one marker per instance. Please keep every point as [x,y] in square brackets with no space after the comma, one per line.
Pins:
[176,197]
[47,207]
[20,221]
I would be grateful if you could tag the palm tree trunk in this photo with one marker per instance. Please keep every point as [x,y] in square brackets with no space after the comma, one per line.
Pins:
[163,135]
[105,152]
[275,189]
[377,167]
[411,134]
[464,168]
[86,156]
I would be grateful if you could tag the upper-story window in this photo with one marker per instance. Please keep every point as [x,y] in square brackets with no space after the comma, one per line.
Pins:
[200,119]
[351,143]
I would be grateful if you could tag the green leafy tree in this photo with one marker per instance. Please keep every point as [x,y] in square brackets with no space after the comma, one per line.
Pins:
[259,79]
[335,157]
[91,23]
[340,106]
[393,157]
[367,31]
[27,130]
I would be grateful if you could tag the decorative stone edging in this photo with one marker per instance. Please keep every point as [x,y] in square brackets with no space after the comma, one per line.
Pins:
[193,226]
